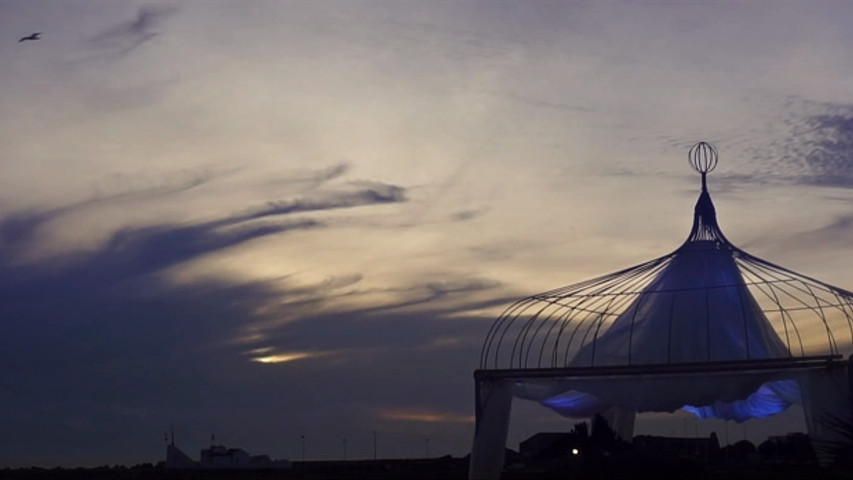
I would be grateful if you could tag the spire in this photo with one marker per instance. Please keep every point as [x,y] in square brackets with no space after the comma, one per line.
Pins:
[703,158]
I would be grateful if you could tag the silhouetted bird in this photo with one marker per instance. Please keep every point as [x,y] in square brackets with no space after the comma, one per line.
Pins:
[34,36]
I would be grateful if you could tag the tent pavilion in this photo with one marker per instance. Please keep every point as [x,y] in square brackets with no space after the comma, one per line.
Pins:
[708,328]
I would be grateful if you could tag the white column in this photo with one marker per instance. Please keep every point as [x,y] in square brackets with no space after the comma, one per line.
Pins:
[826,396]
[493,405]
[621,421]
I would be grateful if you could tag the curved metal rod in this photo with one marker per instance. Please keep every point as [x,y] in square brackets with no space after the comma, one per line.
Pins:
[815,309]
[782,313]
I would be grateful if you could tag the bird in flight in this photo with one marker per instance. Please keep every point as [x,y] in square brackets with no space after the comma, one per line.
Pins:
[34,36]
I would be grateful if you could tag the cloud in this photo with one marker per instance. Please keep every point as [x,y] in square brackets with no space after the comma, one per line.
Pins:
[18,229]
[471,214]
[828,148]
[831,237]
[129,351]
[127,36]
[133,353]
[545,104]
[812,145]
[142,187]
[364,193]
[133,251]
[792,141]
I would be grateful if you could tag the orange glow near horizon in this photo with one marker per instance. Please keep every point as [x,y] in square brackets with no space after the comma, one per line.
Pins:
[431,417]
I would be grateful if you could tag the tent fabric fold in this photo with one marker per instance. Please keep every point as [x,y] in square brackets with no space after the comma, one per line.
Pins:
[725,396]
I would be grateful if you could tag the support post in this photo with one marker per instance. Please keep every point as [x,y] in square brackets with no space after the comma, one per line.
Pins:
[827,400]
[493,399]
[621,421]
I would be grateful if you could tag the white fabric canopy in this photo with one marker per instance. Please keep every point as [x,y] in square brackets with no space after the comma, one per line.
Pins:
[698,309]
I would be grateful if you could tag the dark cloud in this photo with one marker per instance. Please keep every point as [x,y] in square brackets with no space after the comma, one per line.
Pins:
[134,251]
[100,352]
[18,229]
[464,215]
[802,142]
[827,148]
[534,102]
[88,372]
[128,35]
[811,143]
[139,187]
[90,333]
[363,193]
[329,173]
[308,181]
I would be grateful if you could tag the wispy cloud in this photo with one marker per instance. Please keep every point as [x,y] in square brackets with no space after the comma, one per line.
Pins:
[105,331]
[811,143]
[18,228]
[827,147]
[362,193]
[129,35]
[833,236]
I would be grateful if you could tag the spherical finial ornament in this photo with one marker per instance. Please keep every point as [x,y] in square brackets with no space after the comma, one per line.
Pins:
[703,157]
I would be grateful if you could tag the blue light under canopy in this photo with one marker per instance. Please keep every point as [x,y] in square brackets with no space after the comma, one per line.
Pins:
[574,404]
[765,400]
[771,398]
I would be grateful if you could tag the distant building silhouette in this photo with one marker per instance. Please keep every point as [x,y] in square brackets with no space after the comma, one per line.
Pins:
[178,460]
[220,457]
[702,448]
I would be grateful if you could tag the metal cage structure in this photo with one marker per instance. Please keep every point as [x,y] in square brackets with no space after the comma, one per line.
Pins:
[707,301]
[708,328]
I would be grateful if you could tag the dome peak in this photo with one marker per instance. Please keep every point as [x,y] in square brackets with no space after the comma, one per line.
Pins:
[703,157]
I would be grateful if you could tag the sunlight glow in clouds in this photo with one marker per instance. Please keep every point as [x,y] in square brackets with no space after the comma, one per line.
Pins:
[283,357]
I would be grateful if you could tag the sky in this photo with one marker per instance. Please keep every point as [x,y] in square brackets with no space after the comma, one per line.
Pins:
[268,220]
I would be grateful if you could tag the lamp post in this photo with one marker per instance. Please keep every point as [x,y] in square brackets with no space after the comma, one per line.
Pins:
[375,449]
[303,447]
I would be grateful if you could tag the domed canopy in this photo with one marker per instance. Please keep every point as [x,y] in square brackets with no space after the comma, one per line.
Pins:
[707,302]
[708,328]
